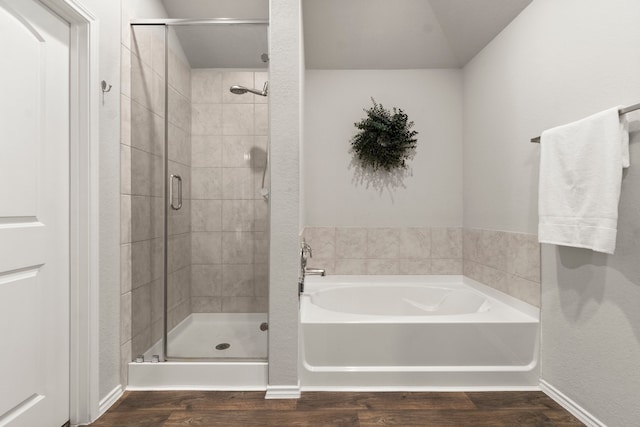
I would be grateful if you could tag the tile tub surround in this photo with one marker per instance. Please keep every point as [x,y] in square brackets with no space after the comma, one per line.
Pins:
[228,214]
[351,250]
[508,262]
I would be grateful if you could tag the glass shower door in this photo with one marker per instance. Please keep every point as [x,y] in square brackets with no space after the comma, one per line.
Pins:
[178,194]
[216,231]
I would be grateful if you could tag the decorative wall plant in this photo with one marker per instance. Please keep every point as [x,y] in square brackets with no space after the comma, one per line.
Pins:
[385,141]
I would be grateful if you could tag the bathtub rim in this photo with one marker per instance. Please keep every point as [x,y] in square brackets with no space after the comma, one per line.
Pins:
[525,312]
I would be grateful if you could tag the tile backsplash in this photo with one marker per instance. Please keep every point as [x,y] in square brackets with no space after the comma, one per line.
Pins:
[508,262]
[346,250]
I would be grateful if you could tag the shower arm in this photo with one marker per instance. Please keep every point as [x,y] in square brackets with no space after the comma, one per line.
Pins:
[263,92]
[240,90]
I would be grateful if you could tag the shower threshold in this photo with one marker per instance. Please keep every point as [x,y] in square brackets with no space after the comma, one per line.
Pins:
[223,376]
[208,352]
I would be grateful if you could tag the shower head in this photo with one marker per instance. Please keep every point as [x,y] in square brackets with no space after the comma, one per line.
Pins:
[240,90]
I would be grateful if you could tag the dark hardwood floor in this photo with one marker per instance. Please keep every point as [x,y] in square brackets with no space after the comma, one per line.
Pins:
[249,409]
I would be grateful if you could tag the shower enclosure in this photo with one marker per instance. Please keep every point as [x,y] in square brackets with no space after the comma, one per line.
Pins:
[199,191]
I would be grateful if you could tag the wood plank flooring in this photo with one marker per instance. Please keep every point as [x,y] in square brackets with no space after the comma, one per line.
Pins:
[250,409]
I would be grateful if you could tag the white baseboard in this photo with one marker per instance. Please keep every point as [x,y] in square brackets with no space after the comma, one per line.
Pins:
[571,406]
[283,392]
[108,401]
[413,389]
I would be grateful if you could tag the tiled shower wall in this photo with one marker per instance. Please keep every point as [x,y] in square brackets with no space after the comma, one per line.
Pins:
[228,214]
[142,141]
[509,262]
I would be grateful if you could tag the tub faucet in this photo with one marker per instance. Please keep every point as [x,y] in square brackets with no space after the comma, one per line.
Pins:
[305,250]
[315,271]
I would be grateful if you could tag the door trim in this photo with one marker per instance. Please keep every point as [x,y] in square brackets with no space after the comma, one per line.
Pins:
[84,195]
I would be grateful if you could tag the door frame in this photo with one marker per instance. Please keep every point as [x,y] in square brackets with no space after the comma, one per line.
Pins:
[83,209]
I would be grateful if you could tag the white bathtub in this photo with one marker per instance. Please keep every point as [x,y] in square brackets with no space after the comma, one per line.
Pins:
[415,333]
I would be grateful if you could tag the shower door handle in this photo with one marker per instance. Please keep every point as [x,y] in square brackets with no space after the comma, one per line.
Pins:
[179,179]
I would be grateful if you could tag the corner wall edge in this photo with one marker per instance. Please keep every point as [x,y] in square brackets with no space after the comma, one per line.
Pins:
[576,410]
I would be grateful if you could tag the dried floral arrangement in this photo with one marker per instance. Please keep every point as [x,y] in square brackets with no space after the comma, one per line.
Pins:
[385,140]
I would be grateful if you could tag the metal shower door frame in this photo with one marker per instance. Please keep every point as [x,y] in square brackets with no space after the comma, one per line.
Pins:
[167,205]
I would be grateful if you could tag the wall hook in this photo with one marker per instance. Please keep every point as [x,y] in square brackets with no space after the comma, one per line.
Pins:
[105,88]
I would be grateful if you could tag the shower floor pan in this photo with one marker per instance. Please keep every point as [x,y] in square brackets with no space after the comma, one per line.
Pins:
[208,364]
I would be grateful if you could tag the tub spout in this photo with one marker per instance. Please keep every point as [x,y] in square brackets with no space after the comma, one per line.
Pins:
[314,271]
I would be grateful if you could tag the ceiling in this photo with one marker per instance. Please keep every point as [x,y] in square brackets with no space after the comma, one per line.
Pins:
[224,46]
[350,34]
[203,9]
[221,46]
[401,34]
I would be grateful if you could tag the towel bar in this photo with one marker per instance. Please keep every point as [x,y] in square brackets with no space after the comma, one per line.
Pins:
[620,112]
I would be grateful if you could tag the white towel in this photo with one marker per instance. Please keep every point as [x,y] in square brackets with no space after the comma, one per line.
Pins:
[580,177]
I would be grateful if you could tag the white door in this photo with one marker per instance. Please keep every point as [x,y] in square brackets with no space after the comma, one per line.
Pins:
[34,215]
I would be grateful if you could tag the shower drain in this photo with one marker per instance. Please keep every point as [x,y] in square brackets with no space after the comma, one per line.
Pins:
[223,346]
